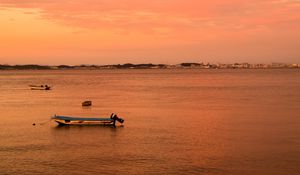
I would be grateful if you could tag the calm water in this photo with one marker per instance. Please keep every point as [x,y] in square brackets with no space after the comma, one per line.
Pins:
[176,122]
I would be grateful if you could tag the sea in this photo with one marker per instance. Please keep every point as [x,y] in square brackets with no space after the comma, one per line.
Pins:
[177,122]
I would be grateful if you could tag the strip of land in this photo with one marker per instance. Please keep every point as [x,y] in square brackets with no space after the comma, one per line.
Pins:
[153,66]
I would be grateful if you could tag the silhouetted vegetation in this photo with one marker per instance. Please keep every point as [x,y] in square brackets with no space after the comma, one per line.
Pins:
[24,67]
[153,66]
[190,64]
[137,66]
[65,67]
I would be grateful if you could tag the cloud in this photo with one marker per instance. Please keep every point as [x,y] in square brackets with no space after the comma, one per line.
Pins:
[169,28]
[168,17]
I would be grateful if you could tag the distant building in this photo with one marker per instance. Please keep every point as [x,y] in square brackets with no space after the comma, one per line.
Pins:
[278,65]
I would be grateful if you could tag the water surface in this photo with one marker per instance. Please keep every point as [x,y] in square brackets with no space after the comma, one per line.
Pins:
[176,122]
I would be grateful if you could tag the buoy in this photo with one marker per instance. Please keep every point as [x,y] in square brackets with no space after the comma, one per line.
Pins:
[33,124]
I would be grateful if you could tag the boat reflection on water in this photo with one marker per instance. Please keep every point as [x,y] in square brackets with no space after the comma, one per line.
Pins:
[67,127]
[77,138]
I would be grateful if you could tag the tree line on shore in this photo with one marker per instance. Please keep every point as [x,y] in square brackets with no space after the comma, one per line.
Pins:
[116,66]
[148,66]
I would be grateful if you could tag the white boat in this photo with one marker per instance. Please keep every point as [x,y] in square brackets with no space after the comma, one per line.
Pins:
[66,120]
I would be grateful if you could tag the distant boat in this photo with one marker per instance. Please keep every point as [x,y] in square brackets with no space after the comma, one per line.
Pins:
[39,87]
[66,120]
[87,103]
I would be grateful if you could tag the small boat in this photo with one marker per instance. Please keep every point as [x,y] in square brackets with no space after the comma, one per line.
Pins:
[66,120]
[39,87]
[87,103]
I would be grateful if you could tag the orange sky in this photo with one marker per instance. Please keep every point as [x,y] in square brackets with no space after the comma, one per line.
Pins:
[157,31]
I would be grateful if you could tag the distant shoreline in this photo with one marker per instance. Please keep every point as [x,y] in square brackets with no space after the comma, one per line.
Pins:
[153,66]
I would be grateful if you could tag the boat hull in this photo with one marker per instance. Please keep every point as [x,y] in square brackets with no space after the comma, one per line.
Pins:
[79,121]
[87,103]
[82,123]
[40,88]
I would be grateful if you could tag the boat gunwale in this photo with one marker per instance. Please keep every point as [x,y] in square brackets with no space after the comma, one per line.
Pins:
[81,118]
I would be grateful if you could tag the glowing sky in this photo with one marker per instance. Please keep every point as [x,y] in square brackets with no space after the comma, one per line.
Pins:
[143,31]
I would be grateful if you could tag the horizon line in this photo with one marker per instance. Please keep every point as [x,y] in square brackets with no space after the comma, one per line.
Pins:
[111,64]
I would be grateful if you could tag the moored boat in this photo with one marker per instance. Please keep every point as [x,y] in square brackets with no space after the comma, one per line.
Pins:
[87,103]
[66,120]
[39,87]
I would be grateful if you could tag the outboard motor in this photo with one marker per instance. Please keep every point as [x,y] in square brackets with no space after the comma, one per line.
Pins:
[115,117]
[120,120]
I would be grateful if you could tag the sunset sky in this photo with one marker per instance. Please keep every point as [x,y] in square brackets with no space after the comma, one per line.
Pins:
[142,31]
